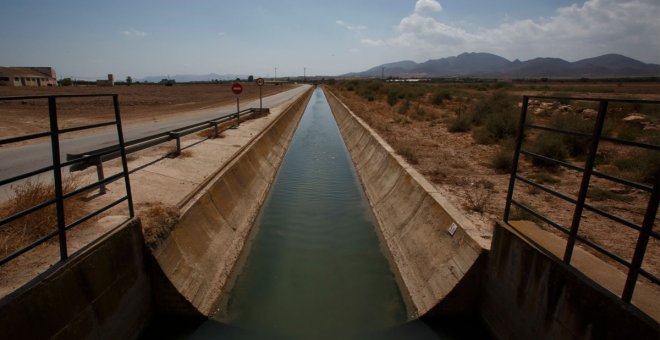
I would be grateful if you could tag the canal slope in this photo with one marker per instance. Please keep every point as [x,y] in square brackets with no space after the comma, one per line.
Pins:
[315,266]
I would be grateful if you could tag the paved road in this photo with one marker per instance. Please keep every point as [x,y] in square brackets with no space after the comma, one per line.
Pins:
[17,160]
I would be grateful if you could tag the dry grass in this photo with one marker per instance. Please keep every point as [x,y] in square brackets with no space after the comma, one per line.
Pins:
[478,195]
[25,230]
[158,221]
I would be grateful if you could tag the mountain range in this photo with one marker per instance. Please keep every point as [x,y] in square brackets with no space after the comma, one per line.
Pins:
[486,65]
[184,78]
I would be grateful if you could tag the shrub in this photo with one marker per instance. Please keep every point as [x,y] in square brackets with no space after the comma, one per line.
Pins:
[640,166]
[575,145]
[549,145]
[497,126]
[403,109]
[25,230]
[478,195]
[408,153]
[392,97]
[462,122]
[440,96]
[502,161]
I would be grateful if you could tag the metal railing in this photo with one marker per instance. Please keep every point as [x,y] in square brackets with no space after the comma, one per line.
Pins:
[98,156]
[645,230]
[56,167]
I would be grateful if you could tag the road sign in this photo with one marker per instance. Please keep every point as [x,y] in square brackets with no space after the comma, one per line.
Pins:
[260,81]
[236,88]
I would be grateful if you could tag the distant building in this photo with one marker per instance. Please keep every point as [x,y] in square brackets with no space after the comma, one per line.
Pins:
[27,76]
[106,82]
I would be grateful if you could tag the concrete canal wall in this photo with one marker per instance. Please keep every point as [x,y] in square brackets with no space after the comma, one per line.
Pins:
[193,264]
[101,292]
[414,220]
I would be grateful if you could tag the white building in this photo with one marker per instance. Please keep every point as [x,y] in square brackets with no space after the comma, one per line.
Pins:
[27,76]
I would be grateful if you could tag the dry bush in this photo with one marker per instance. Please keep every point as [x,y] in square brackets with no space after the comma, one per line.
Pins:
[27,229]
[478,195]
[158,221]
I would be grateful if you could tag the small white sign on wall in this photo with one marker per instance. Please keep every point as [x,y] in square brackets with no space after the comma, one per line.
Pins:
[452,229]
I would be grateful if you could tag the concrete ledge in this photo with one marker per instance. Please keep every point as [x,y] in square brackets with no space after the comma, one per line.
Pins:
[101,292]
[413,219]
[531,295]
[201,252]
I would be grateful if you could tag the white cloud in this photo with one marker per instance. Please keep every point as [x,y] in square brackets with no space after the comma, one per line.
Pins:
[134,33]
[350,27]
[629,27]
[427,6]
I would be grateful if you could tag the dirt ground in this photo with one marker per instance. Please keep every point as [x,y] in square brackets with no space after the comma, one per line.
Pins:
[463,171]
[138,103]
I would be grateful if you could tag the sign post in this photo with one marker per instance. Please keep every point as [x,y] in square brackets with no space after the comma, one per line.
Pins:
[260,83]
[237,88]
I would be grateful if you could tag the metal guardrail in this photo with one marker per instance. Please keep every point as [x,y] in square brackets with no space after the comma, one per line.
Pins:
[56,168]
[645,230]
[96,157]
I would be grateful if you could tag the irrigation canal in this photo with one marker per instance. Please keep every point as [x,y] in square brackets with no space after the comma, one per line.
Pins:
[314,267]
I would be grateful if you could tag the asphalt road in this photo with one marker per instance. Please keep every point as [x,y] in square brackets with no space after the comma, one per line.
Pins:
[17,160]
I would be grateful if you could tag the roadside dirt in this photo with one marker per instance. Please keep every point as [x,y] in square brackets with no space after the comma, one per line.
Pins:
[462,169]
[138,103]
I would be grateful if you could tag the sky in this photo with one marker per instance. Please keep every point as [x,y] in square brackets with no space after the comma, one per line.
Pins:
[87,39]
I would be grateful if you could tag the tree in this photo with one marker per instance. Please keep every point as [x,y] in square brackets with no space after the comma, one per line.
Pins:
[251,78]
[129,80]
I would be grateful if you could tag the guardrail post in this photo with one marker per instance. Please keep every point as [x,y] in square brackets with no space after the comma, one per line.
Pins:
[215,130]
[516,156]
[100,175]
[586,179]
[57,176]
[178,144]
[642,242]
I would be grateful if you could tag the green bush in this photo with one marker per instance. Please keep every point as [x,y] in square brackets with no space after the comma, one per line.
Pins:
[549,145]
[440,96]
[502,161]
[576,145]
[462,122]
[392,97]
[640,166]
[496,127]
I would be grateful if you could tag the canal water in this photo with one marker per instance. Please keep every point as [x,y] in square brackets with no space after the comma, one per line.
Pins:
[314,267]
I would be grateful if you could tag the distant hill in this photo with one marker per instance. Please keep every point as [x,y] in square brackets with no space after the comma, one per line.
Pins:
[493,66]
[184,78]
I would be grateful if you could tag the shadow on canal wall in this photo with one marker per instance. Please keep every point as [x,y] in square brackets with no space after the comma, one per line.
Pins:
[193,264]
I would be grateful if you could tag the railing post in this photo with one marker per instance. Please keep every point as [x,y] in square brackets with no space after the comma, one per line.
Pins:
[642,242]
[516,156]
[57,176]
[100,175]
[586,179]
[122,150]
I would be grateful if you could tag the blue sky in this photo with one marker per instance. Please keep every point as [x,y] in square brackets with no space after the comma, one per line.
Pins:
[88,39]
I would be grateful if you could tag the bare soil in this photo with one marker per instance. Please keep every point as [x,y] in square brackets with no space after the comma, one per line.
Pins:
[138,103]
[463,170]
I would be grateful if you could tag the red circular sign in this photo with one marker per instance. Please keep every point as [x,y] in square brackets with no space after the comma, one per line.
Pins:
[237,88]
[260,81]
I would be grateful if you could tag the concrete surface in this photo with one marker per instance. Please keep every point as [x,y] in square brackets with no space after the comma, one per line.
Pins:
[414,219]
[202,250]
[530,295]
[101,292]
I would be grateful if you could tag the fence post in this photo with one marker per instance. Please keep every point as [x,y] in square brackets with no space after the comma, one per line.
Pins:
[100,175]
[516,156]
[122,150]
[642,242]
[57,176]
[586,179]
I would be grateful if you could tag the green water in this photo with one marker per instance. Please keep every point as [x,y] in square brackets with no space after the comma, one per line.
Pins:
[315,267]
